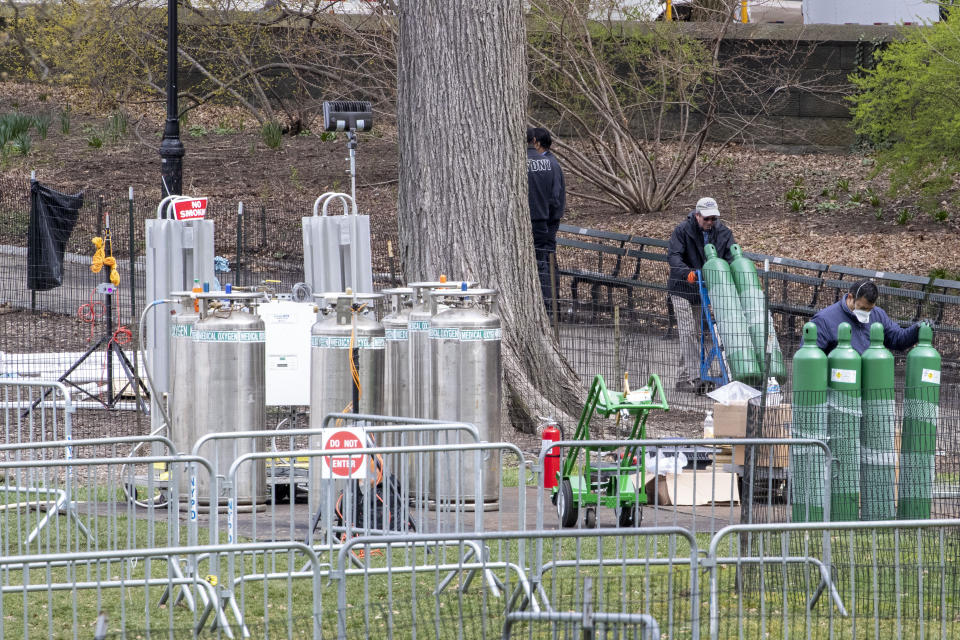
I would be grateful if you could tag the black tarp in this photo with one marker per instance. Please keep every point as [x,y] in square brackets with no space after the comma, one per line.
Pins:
[52,218]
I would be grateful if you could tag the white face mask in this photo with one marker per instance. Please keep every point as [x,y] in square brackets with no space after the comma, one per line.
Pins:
[862,315]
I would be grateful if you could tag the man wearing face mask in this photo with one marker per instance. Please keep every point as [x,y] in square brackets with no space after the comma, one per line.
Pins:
[859,308]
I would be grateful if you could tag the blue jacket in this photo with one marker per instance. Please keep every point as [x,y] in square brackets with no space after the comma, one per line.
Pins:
[828,321]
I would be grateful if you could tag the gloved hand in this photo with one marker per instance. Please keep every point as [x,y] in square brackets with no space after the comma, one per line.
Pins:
[692,277]
[928,322]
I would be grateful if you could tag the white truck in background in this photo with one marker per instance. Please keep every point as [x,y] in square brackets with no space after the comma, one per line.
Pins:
[873,12]
[758,11]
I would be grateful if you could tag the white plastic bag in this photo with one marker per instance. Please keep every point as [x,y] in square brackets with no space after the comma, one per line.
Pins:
[663,465]
[735,392]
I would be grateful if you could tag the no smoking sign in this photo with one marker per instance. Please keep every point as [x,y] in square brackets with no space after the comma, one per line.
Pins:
[346,466]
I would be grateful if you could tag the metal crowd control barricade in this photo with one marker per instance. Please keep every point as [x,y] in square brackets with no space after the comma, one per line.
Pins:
[342,527]
[30,414]
[63,491]
[452,513]
[102,518]
[131,573]
[408,432]
[34,414]
[96,485]
[627,598]
[891,579]
[457,505]
[283,522]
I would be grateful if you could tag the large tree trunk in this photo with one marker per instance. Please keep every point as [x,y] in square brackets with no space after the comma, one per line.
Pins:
[463,185]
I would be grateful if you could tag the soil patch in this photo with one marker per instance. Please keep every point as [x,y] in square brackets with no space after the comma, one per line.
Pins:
[843,217]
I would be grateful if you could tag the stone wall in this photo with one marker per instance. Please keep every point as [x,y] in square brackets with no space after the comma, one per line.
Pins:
[826,54]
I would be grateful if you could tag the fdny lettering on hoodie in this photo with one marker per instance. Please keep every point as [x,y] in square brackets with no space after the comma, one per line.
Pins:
[539,164]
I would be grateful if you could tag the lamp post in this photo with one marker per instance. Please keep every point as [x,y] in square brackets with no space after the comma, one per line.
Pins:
[171,149]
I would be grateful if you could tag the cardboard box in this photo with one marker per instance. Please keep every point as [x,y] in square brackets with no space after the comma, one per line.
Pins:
[732,423]
[711,488]
[776,455]
[729,420]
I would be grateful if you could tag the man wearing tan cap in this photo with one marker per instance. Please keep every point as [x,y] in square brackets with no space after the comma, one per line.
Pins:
[686,256]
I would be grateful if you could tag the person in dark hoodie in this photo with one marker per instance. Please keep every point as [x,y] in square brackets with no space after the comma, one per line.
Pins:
[859,309]
[543,194]
[686,255]
[544,142]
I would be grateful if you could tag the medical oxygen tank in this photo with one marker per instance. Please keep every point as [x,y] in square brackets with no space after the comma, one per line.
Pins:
[752,300]
[396,331]
[877,431]
[397,392]
[725,301]
[465,355]
[807,487]
[844,427]
[347,339]
[346,336]
[419,327]
[229,359]
[182,380]
[921,412]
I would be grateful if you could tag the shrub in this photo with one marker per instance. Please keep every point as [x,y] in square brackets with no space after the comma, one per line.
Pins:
[272,135]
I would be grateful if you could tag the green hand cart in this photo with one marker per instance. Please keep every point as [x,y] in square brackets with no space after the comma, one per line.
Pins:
[588,483]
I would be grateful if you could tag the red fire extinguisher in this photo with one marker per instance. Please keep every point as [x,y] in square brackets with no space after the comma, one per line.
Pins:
[551,463]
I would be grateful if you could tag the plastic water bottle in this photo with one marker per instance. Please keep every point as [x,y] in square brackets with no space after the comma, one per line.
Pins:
[774,395]
[708,425]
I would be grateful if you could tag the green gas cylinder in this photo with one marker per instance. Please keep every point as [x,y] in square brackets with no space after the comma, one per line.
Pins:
[752,300]
[807,487]
[921,412]
[725,301]
[844,418]
[877,453]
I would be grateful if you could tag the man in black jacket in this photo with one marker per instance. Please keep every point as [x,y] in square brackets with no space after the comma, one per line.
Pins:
[686,256]
[544,197]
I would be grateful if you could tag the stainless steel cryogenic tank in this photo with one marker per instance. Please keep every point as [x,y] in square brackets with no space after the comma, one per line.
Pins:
[465,358]
[182,380]
[419,326]
[229,367]
[347,332]
[397,351]
[397,392]
[347,335]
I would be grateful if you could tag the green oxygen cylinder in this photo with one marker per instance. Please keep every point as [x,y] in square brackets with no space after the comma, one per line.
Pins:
[877,454]
[807,488]
[752,300]
[843,399]
[728,313]
[921,412]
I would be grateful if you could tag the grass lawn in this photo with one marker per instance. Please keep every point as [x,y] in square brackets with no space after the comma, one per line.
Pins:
[903,585]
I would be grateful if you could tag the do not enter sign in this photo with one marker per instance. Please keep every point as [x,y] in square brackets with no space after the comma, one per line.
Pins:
[347,466]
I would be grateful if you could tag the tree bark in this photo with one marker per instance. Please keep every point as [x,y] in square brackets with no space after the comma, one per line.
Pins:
[463,188]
